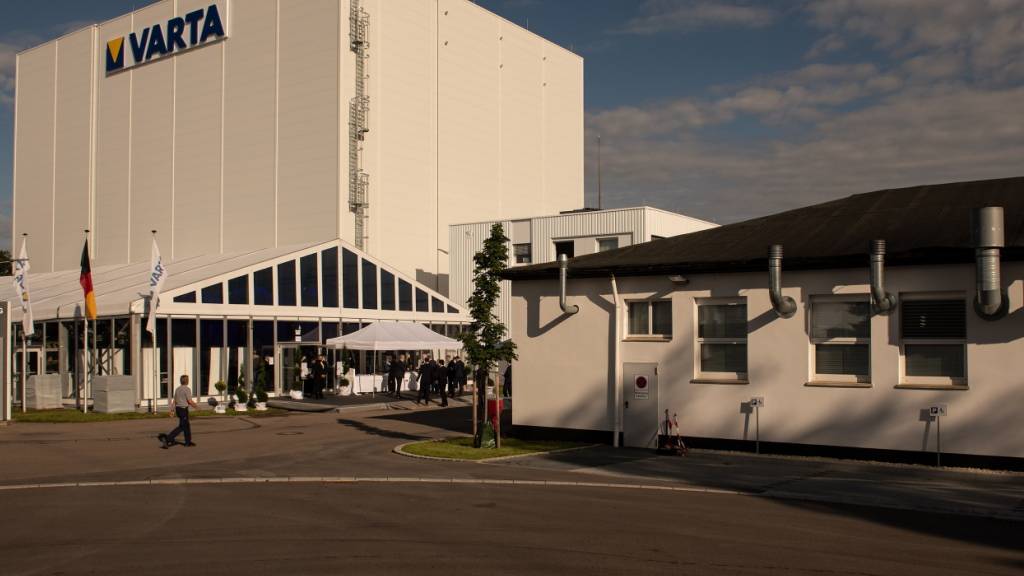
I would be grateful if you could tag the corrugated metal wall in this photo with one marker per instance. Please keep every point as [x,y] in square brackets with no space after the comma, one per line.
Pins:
[585,224]
[465,240]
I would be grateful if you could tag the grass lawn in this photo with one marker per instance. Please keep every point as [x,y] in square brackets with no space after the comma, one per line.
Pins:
[462,448]
[67,415]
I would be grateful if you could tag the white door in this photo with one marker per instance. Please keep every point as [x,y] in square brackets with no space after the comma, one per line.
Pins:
[640,405]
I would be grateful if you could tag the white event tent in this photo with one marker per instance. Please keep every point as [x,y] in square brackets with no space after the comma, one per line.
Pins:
[380,336]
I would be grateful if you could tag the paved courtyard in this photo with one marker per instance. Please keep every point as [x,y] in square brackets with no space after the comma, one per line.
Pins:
[324,494]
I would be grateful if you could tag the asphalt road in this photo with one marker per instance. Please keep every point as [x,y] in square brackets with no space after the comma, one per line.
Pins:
[408,527]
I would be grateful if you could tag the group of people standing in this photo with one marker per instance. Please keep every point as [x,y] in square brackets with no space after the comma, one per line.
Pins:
[445,377]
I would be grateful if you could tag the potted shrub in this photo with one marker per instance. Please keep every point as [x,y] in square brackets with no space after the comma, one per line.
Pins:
[243,398]
[296,391]
[261,398]
[221,387]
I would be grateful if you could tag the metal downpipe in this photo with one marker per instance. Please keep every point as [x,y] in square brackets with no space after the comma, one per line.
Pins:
[990,302]
[882,300]
[784,306]
[563,269]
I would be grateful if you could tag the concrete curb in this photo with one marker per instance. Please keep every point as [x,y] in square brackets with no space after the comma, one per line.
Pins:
[399,450]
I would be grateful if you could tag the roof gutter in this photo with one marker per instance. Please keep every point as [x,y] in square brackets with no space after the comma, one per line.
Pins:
[784,306]
[563,270]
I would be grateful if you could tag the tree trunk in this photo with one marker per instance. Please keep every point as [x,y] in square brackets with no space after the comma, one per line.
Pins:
[480,412]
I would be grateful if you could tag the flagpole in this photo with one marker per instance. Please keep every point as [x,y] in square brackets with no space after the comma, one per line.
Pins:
[24,347]
[85,349]
[155,385]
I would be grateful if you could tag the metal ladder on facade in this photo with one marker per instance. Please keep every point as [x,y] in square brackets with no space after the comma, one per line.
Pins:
[358,123]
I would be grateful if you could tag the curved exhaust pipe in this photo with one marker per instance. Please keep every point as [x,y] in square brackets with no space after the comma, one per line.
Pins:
[784,306]
[990,302]
[563,269]
[883,301]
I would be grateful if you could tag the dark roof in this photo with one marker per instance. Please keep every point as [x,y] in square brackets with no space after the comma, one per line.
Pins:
[921,225]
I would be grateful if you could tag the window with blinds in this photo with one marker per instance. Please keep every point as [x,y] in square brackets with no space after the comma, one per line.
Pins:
[933,338]
[722,339]
[841,335]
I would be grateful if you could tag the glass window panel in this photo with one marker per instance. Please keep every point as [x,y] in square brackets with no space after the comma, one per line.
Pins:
[263,353]
[723,358]
[350,279]
[238,290]
[436,305]
[606,244]
[213,294]
[404,296]
[422,301]
[639,320]
[328,330]
[286,283]
[934,318]
[237,352]
[722,321]
[329,277]
[661,317]
[122,362]
[387,290]
[103,335]
[523,253]
[211,355]
[452,309]
[848,359]
[568,248]
[935,360]
[840,320]
[308,281]
[189,297]
[349,327]
[369,285]
[263,287]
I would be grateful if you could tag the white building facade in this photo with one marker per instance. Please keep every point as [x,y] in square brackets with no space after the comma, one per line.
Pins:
[687,327]
[378,122]
[575,233]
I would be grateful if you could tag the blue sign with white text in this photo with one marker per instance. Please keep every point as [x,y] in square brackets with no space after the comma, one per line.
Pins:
[180,33]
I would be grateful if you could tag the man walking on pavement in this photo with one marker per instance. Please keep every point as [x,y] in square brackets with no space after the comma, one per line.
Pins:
[181,401]
[395,375]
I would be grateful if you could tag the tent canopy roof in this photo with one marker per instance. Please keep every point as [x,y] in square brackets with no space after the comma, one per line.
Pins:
[395,336]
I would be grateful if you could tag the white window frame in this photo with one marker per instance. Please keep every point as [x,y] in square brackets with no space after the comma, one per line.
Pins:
[699,373]
[815,342]
[931,381]
[649,336]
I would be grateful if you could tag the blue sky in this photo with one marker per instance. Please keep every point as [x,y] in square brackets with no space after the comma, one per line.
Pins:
[729,109]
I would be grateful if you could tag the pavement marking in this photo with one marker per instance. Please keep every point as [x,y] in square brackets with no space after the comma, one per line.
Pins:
[369,480]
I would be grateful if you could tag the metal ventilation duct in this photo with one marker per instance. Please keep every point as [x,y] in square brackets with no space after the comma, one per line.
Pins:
[883,301]
[563,269]
[784,306]
[990,302]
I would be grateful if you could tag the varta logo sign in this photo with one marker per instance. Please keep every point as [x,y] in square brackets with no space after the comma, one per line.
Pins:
[179,33]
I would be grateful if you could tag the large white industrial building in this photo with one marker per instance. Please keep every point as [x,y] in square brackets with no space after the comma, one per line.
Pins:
[301,162]
[379,122]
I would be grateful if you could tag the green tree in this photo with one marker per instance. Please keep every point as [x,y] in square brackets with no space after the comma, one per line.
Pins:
[485,342]
[5,262]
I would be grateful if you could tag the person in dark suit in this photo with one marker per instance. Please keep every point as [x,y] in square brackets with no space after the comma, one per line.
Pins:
[395,375]
[460,375]
[453,379]
[441,379]
[318,375]
[426,380]
[506,389]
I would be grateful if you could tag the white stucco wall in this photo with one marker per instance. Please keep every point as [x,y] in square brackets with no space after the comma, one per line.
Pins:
[563,376]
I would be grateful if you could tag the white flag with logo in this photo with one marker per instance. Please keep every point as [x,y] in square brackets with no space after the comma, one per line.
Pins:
[157,275]
[21,286]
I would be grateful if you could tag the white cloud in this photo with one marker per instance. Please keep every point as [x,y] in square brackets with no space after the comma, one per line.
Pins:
[658,16]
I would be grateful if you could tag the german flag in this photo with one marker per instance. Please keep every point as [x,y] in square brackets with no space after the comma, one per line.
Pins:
[85,279]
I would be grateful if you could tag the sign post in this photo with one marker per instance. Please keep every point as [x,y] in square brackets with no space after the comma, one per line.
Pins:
[937,412]
[6,387]
[756,403]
